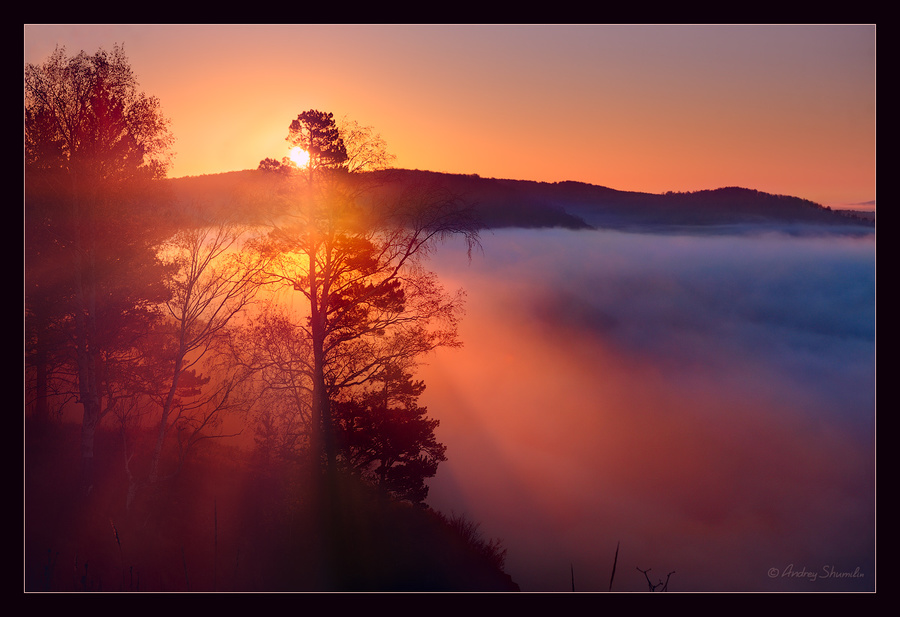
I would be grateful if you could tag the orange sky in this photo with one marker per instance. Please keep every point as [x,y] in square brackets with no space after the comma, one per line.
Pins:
[782,109]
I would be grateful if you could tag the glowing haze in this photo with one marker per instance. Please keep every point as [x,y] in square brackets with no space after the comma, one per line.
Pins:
[782,109]
[706,402]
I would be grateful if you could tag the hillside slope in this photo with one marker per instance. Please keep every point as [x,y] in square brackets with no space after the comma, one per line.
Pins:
[228,523]
[499,203]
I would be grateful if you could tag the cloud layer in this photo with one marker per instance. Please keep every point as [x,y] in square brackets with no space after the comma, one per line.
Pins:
[708,402]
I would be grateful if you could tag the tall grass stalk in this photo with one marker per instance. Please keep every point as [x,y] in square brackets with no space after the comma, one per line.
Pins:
[121,555]
[615,559]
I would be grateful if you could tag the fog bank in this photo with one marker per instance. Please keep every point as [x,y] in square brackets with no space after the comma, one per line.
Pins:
[706,402]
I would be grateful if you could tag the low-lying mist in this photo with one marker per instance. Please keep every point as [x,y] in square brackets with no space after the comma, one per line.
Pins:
[706,402]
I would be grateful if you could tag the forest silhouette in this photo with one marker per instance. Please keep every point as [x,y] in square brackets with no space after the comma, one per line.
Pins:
[156,335]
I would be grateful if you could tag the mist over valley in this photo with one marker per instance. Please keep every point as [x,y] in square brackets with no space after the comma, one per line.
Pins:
[707,401]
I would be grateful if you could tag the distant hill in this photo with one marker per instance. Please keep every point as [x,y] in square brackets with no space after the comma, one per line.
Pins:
[862,214]
[500,203]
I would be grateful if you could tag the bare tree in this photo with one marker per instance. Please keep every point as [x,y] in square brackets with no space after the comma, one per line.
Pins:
[269,347]
[661,585]
[366,149]
[214,283]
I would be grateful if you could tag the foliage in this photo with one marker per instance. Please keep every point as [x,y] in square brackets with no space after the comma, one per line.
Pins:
[185,370]
[355,148]
[271,165]
[366,149]
[94,147]
[386,438]
[268,345]
[84,115]
[139,322]
[316,132]
[468,531]
[367,300]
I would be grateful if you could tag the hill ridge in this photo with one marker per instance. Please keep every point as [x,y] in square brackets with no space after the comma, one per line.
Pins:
[572,204]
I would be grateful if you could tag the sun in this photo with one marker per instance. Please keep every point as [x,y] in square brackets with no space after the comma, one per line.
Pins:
[299,156]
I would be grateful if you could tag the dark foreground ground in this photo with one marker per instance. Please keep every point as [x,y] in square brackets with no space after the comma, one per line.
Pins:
[228,523]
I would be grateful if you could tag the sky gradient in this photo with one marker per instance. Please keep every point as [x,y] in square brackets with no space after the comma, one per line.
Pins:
[782,109]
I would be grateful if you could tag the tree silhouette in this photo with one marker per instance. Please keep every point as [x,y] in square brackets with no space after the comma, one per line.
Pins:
[386,438]
[212,285]
[48,296]
[94,146]
[661,585]
[269,346]
[366,149]
[270,164]
[316,132]
[367,299]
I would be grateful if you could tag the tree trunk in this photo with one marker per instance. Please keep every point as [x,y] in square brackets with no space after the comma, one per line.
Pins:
[164,421]
[87,347]
[88,428]
[89,394]
[41,400]
[322,441]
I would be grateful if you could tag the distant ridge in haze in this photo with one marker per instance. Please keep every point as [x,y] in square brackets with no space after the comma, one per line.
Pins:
[500,203]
